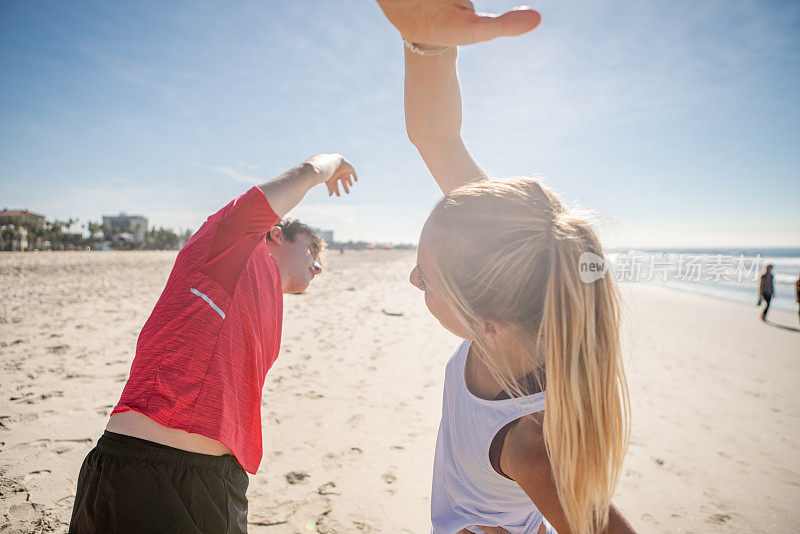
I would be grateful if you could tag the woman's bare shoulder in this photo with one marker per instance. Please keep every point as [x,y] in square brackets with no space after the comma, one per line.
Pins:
[524,452]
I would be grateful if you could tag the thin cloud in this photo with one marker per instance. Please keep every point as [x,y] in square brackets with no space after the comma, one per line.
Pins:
[237,175]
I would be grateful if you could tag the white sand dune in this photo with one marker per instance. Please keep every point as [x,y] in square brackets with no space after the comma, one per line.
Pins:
[350,409]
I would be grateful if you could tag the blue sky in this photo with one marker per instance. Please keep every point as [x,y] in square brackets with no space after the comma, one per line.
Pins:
[677,124]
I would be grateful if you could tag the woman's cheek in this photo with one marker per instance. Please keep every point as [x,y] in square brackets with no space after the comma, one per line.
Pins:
[428,303]
[437,309]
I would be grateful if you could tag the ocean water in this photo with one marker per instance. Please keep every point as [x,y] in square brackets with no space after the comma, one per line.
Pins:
[726,273]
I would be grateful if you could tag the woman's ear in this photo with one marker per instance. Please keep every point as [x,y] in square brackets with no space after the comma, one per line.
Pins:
[490,328]
[276,234]
[494,330]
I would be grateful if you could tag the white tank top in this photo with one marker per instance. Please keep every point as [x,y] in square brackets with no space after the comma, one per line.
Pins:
[467,491]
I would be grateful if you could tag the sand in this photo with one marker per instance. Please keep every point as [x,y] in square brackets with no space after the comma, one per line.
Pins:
[350,409]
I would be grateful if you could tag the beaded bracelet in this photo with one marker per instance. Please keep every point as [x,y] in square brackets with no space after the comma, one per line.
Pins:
[414,47]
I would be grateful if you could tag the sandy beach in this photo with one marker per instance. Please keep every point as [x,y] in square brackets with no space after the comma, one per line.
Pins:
[351,408]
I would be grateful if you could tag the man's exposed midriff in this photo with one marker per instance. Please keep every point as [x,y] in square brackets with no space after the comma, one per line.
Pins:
[134,424]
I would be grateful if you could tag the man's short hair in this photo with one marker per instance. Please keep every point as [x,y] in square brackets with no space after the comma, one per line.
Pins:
[291,228]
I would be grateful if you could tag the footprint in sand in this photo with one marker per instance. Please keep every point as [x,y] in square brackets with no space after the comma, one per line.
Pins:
[327,489]
[331,460]
[389,478]
[356,420]
[36,474]
[11,485]
[66,445]
[19,398]
[104,410]
[719,519]
[7,421]
[295,477]
[650,519]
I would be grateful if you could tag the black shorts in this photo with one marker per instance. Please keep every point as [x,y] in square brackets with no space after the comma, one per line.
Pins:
[132,485]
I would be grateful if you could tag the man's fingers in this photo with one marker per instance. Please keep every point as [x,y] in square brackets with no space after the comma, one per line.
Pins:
[508,24]
[344,174]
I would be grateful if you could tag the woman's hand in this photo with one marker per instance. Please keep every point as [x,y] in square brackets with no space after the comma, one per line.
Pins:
[332,170]
[454,22]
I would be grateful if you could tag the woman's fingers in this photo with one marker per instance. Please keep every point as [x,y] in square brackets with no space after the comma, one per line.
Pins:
[517,22]
[454,22]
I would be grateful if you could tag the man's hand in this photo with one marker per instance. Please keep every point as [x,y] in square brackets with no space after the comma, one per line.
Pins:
[333,169]
[284,192]
[454,22]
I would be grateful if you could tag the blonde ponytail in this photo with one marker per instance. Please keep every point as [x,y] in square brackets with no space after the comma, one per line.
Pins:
[586,420]
[510,252]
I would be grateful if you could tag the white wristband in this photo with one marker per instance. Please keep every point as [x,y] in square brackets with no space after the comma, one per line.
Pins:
[414,47]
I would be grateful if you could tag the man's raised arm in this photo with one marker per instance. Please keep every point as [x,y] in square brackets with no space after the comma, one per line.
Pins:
[284,192]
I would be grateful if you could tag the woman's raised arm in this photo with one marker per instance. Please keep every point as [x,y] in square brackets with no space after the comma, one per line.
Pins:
[433,118]
[432,89]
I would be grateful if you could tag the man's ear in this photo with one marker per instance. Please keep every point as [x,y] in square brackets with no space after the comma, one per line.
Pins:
[276,234]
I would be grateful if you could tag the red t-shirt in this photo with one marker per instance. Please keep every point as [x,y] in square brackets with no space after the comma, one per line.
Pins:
[203,354]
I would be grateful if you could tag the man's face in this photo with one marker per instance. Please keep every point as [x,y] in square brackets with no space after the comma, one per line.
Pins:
[297,264]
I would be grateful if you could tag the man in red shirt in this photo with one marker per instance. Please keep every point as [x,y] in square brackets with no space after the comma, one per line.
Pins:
[188,425]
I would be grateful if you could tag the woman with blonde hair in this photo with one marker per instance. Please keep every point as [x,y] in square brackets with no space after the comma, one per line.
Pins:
[499,264]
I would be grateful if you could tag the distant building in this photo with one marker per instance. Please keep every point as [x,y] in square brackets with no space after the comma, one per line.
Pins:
[14,225]
[21,217]
[119,225]
[327,235]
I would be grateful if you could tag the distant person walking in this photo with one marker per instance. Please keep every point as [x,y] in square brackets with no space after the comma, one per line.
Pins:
[797,295]
[766,290]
